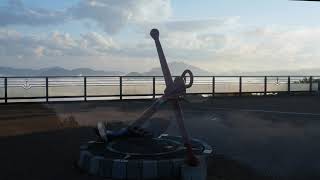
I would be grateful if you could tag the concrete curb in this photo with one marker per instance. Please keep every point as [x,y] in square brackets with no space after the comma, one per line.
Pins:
[134,169]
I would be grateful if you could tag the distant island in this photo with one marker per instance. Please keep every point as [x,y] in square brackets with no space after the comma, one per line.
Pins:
[176,69]
[55,71]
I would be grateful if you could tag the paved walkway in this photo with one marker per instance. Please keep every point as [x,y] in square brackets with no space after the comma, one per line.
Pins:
[275,136]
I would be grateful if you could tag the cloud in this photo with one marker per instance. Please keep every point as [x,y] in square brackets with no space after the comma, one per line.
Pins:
[112,16]
[98,42]
[268,48]
[13,43]
[16,13]
[39,51]
[252,49]
[201,25]
[237,48]
[215,44]
[196,34]
[183,40]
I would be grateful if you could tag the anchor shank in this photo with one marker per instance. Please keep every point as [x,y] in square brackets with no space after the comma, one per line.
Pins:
[172,89]
[164,65]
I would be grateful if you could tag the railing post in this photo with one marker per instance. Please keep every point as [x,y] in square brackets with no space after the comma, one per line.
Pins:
[47,89]
[153,87]
[213,86]
[240,85]
[85,88]
[120,93]
[265,85]
[311,84]
[289,85]
[6,90]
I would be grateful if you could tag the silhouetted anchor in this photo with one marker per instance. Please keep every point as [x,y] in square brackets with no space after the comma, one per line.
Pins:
[174,90]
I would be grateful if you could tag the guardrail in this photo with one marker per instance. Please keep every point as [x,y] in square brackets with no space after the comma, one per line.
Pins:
[84,88]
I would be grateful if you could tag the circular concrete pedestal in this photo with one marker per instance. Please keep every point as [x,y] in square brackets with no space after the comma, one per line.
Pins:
[138,158]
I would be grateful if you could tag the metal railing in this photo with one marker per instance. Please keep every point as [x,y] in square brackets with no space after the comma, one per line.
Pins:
[84,88]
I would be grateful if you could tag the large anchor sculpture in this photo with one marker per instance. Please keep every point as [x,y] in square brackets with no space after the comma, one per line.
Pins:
[174,90]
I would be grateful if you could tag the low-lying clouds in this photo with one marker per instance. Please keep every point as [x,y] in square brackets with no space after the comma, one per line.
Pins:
[216,44]
[270,48]
[13,43]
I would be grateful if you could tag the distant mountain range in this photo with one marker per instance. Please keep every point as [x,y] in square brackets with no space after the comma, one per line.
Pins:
[301,72]
[176,68]
[54,71]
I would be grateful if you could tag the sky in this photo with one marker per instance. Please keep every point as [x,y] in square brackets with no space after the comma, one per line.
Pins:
[220,36]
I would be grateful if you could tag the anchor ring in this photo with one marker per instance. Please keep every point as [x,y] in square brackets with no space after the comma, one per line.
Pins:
[183,75]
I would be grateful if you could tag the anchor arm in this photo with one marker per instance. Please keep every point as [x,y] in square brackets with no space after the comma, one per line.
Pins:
[191,158]
[148,112]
